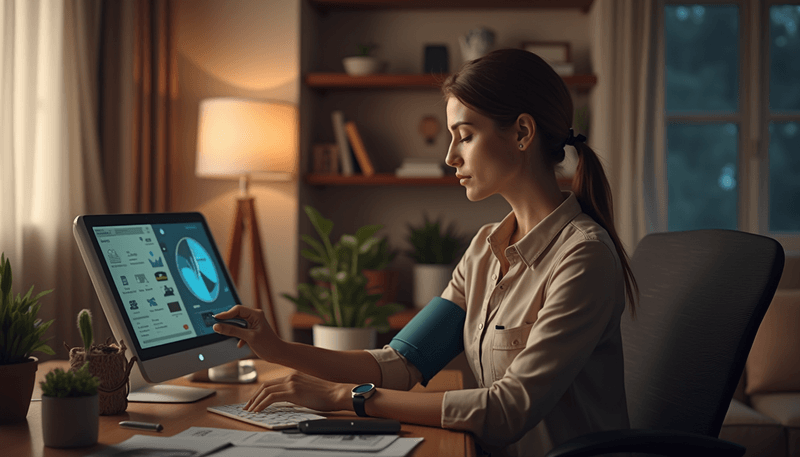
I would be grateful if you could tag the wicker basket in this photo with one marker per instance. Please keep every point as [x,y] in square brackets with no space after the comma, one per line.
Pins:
[107,362]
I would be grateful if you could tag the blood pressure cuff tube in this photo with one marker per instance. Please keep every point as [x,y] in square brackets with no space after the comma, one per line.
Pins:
[433,338]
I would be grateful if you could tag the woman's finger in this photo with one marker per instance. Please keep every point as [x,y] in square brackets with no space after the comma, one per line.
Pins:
[262,393]
[272,397]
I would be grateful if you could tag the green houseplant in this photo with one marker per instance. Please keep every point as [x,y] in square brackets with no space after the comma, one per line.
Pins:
[70,408]
[435,249]
[107,362]
[339,295]
[21,334]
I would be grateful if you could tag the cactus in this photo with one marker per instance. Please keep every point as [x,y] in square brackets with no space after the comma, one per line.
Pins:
[85,326]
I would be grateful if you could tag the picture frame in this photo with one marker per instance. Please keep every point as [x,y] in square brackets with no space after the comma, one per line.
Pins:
[551,51]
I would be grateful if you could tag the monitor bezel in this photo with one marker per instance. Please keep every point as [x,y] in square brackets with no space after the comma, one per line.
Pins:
[201,351]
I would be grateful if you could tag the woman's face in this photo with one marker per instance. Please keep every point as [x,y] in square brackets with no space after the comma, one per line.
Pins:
[486,159]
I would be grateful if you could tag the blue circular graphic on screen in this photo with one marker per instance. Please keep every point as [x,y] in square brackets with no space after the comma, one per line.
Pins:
[197,269]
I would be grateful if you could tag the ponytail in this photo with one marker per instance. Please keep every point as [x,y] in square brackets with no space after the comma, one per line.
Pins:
[591,187]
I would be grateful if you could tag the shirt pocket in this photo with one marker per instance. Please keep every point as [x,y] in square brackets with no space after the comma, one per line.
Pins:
[506,345]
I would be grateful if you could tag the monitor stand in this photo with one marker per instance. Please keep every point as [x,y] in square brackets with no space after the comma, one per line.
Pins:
[145,392]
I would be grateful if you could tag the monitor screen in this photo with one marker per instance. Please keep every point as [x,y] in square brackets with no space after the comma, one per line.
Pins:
[160,279]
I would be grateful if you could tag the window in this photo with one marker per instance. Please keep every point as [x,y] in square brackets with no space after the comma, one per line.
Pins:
[732,113]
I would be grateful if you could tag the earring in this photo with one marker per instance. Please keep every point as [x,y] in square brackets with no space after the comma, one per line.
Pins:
[521,146]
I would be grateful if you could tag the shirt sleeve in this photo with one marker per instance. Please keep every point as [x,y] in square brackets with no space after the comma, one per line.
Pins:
[397,373]
[582,299]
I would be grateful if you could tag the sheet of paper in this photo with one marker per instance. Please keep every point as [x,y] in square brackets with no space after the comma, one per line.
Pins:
[246,438]
[361,443]
[399,448]
[160,445]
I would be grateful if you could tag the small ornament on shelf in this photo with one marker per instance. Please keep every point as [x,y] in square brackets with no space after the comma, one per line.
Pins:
[325,159]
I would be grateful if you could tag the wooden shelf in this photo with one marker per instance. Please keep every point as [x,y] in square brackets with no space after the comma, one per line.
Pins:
[388,179]
[349,5]
[410,81]
[303,321]
[378,179]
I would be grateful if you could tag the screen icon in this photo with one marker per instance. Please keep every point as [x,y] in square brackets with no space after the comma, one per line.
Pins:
[161,276]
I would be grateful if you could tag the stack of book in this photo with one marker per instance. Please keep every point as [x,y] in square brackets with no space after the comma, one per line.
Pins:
[420,168]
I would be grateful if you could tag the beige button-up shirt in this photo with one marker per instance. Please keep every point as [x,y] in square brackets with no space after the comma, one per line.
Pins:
[543,341]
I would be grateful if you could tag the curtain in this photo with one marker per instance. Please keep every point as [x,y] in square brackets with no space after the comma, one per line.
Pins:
[50,168]
[627,126]
[139,87]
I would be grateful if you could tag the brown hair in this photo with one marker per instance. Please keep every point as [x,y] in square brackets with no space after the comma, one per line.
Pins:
[508,82]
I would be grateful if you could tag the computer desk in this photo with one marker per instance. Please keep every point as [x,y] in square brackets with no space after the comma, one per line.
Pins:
[25,439]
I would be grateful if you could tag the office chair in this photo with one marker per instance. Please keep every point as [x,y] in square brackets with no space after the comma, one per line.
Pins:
[703,294]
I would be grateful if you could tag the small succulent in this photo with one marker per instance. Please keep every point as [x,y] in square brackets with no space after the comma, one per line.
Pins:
[21,331]
[77,383]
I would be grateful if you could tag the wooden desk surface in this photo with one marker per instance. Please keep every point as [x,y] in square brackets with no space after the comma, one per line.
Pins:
[25,439]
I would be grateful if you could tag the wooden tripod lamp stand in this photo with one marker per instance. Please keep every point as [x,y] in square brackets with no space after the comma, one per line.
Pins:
[247,139]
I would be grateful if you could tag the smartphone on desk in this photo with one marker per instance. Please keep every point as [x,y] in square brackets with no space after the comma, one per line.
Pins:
[349,427]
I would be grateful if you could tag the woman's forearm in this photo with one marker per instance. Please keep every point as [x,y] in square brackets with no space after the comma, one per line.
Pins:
[423,408]
[354,367]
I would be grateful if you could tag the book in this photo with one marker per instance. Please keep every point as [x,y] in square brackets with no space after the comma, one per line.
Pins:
[358,149]
[337,117]
[325,158]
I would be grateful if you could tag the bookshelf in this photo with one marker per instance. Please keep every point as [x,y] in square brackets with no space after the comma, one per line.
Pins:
[388,108]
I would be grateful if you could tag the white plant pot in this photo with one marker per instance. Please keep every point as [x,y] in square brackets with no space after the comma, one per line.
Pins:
[361,65]
[430,280]
[70,421]
[344,338]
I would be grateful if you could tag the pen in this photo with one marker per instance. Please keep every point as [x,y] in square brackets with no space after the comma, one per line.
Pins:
[142,426]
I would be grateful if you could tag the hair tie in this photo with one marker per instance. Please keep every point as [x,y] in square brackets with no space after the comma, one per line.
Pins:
[572,139]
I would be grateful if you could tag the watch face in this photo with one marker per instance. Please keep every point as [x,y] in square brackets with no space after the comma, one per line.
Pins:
[363,388]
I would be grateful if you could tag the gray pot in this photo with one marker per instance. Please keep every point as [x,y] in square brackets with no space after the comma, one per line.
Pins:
[70,421]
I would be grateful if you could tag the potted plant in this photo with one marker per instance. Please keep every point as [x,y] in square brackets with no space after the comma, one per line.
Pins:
[70,408]
[21,333]
[362,63]
[340,295]
[107,363]
[435,251]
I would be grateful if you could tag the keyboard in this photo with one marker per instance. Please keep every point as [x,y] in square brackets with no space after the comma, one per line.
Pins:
[274,417]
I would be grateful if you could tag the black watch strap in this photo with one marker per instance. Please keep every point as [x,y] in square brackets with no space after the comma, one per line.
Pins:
[358,405]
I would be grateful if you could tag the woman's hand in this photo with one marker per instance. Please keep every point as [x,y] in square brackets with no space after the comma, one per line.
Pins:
[304,390]
[259,335]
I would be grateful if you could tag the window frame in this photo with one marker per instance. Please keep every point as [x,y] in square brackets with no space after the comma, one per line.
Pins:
[752,117]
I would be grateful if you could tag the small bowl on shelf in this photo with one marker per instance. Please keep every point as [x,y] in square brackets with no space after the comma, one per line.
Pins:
[361,65]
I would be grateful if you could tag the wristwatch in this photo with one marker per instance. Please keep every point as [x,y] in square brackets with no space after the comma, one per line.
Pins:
[360,393]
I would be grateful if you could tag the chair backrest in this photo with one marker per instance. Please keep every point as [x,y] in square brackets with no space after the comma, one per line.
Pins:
[703,295]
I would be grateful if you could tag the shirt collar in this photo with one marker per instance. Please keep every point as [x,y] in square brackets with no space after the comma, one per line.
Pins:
[534,242]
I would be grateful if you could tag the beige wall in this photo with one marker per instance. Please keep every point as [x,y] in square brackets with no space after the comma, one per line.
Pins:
[243,48]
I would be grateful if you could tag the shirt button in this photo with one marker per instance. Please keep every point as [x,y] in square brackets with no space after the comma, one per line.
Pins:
[502,287]
[480,326]
[494,277]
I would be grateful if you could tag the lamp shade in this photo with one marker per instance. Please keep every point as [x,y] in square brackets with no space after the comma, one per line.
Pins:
[246,138]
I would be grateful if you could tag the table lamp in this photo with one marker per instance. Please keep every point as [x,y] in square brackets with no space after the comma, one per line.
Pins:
[247,139]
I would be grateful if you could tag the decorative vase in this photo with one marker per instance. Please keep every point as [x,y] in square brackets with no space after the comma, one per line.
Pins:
[16,389]
[384,282]
[476,43]
[70,421]
[344,338]
[109,365]
[429,281]
[361,65]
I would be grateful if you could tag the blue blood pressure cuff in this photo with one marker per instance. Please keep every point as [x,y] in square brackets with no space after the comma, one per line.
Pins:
[433,337]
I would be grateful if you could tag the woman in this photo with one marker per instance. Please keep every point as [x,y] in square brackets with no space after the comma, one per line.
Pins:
[535,302]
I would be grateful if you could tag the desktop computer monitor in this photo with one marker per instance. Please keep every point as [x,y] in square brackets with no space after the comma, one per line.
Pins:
[160,279]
